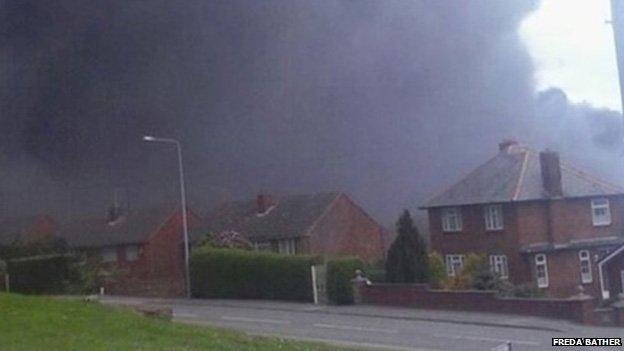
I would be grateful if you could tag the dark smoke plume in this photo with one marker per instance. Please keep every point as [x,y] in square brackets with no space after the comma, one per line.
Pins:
[387,100]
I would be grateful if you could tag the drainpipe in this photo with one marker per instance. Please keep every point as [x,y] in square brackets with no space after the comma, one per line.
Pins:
[605,293]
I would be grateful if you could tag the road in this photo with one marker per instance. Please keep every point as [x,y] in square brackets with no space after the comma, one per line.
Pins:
[379,330]
[312,323]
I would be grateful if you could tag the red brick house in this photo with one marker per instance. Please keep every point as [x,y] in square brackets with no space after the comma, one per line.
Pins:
[538,220]
[327,224]
[27,229]
[143,246]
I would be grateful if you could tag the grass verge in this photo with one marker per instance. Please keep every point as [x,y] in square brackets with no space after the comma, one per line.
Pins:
[39,323]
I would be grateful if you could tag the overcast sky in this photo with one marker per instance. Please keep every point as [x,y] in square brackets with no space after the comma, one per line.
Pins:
[571,44]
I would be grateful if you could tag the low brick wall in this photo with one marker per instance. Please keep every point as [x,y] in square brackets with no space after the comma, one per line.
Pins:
[578,309]
[162,287]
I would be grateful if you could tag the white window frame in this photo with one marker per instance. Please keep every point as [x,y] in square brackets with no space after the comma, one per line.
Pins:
[541,260]
[452,260]
[451,219]
[494,217]
[286,246]
[262,246]
[132,252]
[585,262]
[498,265]
[597,204]
[108,254]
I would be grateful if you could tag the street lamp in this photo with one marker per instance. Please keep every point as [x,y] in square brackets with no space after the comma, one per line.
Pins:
[183,200]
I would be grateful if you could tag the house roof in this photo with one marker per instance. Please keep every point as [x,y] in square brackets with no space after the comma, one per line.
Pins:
[514,174]
[18,227]
[133,227]
[290,217]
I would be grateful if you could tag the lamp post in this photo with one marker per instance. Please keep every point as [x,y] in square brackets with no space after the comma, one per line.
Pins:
[183,200]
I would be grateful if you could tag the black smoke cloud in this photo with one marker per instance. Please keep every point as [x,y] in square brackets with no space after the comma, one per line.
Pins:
[588,135]
[386,100]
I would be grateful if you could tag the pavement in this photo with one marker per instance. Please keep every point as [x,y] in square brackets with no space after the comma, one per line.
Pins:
[373,327]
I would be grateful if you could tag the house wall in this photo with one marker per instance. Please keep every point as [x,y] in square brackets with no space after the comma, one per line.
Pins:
[613,269]
[475,238]
[564,273]
[345,229]
[159,269]
[572,219]
[525,223]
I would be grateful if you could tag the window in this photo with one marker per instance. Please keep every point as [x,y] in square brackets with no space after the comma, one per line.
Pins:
[541,271]
[498,265]
[132,253]
[451,219]
[601,213]
[262,246]
[109,254]
[494,217]
[287,246]
[586,272]
[454,264]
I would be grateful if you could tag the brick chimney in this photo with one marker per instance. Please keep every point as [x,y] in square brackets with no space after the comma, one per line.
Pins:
[504,145]
[115,213]
[551,173]
[265,201]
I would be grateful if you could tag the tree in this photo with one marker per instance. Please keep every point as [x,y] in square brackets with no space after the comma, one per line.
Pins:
[407,258]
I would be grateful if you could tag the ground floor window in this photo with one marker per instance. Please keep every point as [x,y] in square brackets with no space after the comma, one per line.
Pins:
[586,272]
[109,254]
[541,271]
[498,265]
[132,252]
[286,246]
[454,264]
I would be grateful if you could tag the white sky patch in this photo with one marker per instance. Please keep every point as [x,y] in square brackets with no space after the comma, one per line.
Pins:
[572,48]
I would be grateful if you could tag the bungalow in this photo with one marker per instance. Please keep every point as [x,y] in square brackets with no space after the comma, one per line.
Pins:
[327,224]
[538,220]
[143,248]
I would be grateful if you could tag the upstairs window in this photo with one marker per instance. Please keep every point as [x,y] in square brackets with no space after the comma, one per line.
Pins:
[601,213]
[132,253]
[541,271]
[286,246]
[454,264]
[451,219]
[586,272]
[108,254]
[494,217]
[498,265]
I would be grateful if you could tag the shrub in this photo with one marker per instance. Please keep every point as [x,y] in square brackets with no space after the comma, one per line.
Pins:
[376,275]
[231,273]
[49,274]
[3,267]
[437,270]
[527,290]
[340,272]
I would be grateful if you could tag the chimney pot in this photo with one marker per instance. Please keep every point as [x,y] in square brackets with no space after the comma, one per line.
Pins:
[504,145]
[265,201]
[551,173]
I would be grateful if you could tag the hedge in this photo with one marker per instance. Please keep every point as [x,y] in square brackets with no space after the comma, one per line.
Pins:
[340,272]
[239,274]
[49,274]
